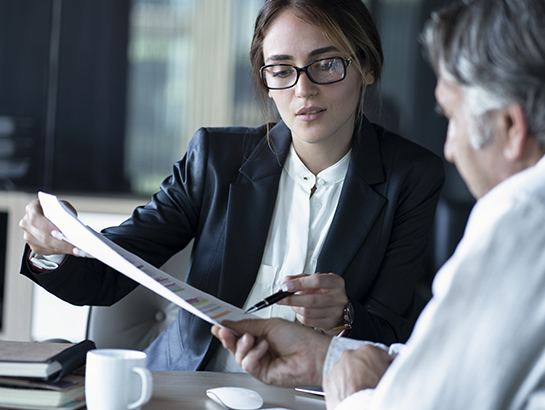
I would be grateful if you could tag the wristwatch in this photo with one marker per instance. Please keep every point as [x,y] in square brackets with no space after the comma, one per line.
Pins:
[348,314]
[347,321]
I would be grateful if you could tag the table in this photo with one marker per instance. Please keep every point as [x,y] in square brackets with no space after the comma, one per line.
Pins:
[187,391]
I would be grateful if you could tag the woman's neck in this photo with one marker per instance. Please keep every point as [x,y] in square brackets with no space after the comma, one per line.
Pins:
[317,158]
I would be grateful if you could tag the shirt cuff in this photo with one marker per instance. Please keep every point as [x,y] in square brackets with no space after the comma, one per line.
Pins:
[45,262]
[336,348]
[339,345]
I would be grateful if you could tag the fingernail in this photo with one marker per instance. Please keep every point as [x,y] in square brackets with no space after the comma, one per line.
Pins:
[57,235]
[287,287]
[79,252]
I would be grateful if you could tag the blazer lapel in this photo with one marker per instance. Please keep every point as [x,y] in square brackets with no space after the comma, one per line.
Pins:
[359,205]
[251,204]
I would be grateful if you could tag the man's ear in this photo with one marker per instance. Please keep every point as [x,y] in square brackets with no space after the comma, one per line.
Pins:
[516,133]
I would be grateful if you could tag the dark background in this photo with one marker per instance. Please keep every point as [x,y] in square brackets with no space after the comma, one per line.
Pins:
[71,102]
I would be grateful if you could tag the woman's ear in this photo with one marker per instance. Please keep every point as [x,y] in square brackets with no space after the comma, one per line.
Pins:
[369,78]
[516,129]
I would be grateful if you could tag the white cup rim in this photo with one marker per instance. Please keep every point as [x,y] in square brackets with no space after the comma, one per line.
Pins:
[117,354]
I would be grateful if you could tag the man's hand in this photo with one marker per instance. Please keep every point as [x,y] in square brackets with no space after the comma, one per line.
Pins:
[320,299]
[276,351]
[41,235]
[356,370]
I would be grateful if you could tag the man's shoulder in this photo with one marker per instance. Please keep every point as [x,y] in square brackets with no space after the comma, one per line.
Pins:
[530,183]
[515,207]
[525,188]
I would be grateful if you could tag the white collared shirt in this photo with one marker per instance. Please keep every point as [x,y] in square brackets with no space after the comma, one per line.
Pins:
[298,229]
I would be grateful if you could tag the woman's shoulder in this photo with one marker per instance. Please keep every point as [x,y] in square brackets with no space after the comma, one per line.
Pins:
[227,139]
[226,145]
[405,160]
[403,150]
[231,133]
[388,139]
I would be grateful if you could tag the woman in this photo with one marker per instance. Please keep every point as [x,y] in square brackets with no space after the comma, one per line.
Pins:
[323,203]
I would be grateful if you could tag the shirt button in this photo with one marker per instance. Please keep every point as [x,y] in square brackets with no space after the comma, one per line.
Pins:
[321,182]
[318,206]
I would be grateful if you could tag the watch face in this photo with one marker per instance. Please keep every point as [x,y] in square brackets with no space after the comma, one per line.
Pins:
[348,313]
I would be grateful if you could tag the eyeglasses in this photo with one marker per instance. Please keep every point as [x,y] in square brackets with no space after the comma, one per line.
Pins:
[323,71]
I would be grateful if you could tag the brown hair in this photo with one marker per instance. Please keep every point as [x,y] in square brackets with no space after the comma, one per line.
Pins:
[348,24]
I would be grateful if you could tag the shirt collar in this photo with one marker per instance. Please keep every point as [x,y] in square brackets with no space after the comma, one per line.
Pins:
[329,176]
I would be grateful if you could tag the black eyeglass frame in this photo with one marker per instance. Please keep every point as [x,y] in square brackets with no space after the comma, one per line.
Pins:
[346,63]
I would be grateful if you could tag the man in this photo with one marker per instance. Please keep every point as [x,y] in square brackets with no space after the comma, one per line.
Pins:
[480,342]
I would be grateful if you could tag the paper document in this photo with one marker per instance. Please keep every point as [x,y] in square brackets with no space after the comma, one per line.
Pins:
[199,303]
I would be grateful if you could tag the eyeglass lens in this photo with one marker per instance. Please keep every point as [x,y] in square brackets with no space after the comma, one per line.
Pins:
[324,71]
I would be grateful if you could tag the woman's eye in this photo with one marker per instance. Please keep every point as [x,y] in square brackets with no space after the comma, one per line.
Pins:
[282,73]
[325,65]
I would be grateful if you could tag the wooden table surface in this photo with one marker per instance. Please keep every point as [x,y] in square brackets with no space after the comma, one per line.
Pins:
[187,390]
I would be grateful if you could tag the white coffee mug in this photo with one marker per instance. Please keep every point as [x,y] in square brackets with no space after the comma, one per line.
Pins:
[117,379]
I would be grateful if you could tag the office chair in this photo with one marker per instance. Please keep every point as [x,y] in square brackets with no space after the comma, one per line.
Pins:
[137,319]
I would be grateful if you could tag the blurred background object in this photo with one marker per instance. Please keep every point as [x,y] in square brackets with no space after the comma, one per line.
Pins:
[16,143]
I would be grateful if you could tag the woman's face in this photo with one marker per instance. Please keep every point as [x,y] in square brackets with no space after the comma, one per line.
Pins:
[319,115]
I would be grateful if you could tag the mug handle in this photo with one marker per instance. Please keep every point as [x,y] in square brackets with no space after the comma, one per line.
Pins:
[147,385]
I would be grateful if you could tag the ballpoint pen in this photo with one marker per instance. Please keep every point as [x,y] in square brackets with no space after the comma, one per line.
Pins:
[269,300]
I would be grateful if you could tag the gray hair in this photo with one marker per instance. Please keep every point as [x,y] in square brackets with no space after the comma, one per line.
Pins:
[495,50]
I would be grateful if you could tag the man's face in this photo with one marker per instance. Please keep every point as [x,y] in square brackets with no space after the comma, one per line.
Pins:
[481,169]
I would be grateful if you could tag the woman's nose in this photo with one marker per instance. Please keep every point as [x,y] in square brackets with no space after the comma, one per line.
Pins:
[304,87]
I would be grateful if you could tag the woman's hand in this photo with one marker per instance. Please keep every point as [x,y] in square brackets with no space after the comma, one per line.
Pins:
[320,299]
[41,235]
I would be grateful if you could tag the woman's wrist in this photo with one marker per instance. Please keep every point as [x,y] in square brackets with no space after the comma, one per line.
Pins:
[345,324]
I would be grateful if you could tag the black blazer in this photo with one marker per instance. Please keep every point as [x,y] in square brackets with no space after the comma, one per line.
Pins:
[223,193]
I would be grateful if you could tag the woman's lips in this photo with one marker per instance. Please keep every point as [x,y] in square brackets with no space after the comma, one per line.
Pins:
[310,113]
